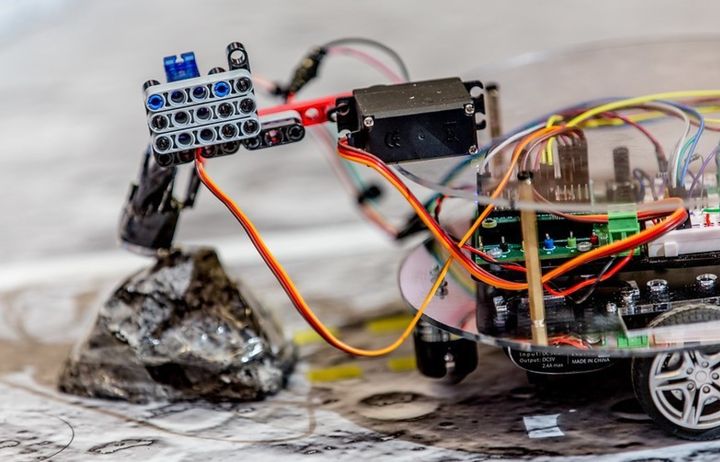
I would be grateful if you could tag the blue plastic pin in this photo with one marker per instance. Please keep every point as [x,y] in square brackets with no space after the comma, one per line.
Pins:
[181,67]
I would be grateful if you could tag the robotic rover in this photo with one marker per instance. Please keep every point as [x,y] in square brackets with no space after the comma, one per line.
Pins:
[565,247]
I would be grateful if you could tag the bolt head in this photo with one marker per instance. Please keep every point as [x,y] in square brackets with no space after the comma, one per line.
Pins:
[706,389]
[715,376]
[368,121]
[469,109]
[705,364]
[690,370]
[690,386]
[473,149]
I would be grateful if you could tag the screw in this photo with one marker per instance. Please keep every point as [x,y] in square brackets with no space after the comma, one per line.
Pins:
[689,371]
[469,109]
[473,149]
[715,376]
[657,285]
[690,386]
[368,121]
[706,389]
[705,364]
[611,307]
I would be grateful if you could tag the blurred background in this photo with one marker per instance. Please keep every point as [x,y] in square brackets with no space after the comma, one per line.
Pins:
[73,124]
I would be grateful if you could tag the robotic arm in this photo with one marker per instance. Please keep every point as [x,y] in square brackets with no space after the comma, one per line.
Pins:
[151,211]
[216,115]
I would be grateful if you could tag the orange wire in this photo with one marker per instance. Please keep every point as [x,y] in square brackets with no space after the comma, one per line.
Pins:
[677,217]
[289,286]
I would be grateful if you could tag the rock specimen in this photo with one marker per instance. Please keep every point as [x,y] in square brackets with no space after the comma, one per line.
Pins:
[180,330]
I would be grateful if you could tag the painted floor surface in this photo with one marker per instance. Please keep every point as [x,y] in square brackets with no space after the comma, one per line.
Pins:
[335,408]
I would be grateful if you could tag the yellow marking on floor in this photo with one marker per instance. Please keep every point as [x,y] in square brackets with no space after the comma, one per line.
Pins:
[309,336]
[389,324]
[335,373]
[402,364]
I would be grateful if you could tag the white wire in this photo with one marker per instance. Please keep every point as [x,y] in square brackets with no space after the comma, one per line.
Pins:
[462,192]
[497,149]
[675,158]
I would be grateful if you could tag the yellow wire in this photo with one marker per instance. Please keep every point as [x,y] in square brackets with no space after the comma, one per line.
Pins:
[572,123]
[551,120]
[323,329]
[547,154]
[671,95]
[650,115]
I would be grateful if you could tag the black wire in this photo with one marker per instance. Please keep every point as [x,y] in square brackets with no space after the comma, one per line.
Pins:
[641,175]
[375,44]
[592,288]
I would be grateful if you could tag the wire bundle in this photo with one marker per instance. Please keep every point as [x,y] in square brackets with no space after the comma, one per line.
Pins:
[531,145]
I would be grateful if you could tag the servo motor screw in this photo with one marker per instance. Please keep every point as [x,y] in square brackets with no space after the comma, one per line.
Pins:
[469,109]
[368,121]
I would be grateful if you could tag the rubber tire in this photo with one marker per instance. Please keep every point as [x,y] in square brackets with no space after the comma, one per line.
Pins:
[640,371]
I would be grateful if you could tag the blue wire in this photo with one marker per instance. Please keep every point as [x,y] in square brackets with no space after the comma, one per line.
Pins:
[460,166]
[695,139]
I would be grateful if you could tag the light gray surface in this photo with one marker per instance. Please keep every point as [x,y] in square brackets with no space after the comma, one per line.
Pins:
[72,120]
[379,412]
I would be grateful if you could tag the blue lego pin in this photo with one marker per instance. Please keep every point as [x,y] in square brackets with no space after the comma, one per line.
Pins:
[180,68]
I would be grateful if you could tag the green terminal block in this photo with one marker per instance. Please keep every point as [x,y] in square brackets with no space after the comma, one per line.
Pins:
[632,342]
[622,225]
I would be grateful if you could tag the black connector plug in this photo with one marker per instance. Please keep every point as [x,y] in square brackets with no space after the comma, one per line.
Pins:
[371,192]
[306,71]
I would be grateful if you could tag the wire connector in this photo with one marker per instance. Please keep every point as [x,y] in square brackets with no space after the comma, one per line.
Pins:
[371,192]
[306,71]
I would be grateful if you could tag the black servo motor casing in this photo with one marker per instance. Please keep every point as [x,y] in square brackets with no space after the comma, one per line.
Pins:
[414,121]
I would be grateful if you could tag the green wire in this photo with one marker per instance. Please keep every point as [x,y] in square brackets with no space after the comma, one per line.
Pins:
[682,155]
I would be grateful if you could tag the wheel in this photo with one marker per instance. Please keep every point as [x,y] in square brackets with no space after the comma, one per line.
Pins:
[680,390]
[438,354]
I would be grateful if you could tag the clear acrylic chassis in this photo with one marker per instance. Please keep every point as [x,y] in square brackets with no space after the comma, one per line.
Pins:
[539,85]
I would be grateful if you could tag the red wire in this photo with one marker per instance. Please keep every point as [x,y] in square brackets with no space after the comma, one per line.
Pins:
[675,219]
[370,60]
[581,285]
[561,293]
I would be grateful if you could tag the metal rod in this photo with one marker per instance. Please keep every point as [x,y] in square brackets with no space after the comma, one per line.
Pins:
[528,223]
[492,90]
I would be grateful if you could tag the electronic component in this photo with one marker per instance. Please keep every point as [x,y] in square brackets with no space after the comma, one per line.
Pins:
[622,189]
[622,225]
[548,243]
[685,241]
[574,173]
[413,121]
[570,182]
[571,241]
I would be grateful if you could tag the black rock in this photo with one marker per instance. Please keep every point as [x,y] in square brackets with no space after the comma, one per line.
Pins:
[180,330]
